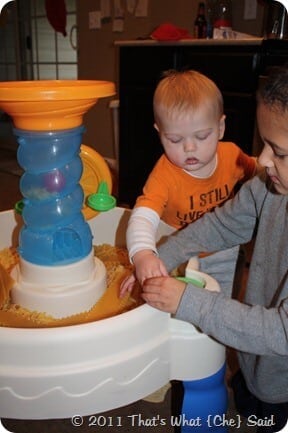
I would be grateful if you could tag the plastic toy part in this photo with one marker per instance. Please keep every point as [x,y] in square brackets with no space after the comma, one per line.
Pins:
[19,207]
[95,170]
[102,200]
[198,282]
[68,290]
[55,242]
[199,279]
[49,105]
[55,232]
[47,373]
[196,395]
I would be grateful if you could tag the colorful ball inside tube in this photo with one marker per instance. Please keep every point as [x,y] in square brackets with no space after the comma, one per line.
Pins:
[54,181]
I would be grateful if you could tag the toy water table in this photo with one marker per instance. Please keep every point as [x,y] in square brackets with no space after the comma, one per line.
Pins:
[103,365]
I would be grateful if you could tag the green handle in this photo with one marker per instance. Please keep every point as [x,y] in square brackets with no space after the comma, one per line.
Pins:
[198,282]
[103,188]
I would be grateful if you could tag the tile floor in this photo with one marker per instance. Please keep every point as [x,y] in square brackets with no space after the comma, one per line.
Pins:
[10,173]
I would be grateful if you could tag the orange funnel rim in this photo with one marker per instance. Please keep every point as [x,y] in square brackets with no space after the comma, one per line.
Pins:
[53,90]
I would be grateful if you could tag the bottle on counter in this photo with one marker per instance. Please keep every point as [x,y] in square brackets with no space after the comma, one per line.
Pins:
[200,24]
[210,21]
[223,14]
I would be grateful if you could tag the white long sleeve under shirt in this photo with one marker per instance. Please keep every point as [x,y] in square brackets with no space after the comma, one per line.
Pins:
[141,231]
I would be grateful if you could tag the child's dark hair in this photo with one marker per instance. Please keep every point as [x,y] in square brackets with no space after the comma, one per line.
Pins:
[274,89]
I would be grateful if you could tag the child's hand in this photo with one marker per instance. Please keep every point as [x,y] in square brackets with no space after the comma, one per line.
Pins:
[163,293]
[148,265]
[127,285]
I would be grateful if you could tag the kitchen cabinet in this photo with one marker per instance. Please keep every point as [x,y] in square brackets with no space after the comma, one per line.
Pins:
[234,66]
[275,53]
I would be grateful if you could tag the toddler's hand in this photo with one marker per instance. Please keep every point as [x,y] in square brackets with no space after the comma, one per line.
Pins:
[127,285]
[148,265]
[163,293]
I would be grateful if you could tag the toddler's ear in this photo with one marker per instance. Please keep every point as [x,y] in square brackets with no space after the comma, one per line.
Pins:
[222,126]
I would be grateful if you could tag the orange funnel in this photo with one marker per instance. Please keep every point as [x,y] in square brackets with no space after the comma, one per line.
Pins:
[50,105]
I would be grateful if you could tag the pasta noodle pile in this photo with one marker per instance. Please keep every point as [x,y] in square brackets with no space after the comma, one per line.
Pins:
[117,266]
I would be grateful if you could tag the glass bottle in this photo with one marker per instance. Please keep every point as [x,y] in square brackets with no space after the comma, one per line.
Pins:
[200,24]
[223,14]
[210,22]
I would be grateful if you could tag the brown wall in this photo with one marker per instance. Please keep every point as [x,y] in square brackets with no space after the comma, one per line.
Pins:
[98,55]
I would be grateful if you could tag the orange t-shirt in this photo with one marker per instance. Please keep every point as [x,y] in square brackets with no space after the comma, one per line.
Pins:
[180,198]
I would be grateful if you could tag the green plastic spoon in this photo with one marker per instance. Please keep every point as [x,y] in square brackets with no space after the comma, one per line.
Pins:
[102,200]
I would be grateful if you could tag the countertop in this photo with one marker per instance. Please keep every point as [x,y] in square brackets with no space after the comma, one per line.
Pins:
[203,42]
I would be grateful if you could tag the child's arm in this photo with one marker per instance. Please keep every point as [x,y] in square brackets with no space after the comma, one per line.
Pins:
[141,244]
[141,232]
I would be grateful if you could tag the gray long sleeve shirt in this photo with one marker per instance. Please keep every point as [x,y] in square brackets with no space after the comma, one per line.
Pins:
[258,327]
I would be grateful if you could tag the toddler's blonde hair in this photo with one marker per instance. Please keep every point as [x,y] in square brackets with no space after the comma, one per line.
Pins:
[180,92]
